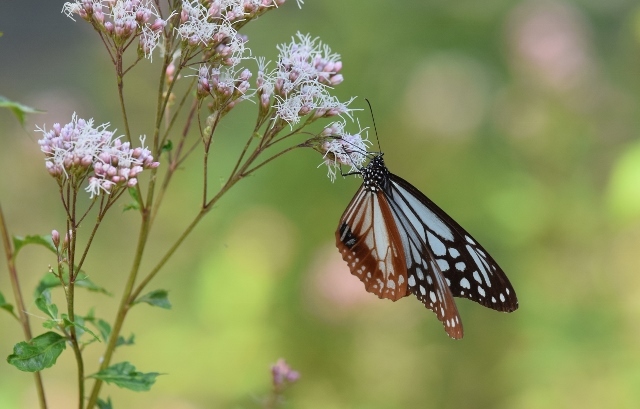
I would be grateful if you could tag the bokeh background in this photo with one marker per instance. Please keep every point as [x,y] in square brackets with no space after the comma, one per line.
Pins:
[520,118]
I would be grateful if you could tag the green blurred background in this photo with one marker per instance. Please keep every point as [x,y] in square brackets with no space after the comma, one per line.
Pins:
[518,117]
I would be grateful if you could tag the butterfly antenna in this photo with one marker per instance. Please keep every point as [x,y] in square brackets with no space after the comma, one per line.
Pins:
[374,124]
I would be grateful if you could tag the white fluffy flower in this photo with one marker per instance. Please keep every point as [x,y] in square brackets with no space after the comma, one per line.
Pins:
[342,148]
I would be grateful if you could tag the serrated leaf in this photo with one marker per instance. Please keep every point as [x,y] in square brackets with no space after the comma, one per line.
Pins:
[104,328]
[42,240]
[80,327]
[124,342]
[135,205]
[51,324]
[105,404]
[39,353]
[6,306]
[19,110]
[124,375]
[82,280]
[44,304]
[157,298]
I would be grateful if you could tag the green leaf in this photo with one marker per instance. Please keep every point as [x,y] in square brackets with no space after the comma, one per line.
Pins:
[42,240]
[124,342]
[80,327]
[157,298]
[45,305]
[19,110]
[135,205]
[51,324]
[124,375]
[39,353]
[105,405]
[82,280]
[167,147]
[6,306]
[104,328]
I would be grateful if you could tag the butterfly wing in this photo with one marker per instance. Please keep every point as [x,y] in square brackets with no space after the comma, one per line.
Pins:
[424,277]
[467,267]
[370,243]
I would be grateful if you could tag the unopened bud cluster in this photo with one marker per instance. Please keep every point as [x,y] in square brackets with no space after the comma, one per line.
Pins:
[226,86]
[78,150]
[283,375]
[122,20]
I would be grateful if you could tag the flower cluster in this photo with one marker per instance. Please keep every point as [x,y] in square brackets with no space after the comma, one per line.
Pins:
[74,150]
[342,148]
[225,84]
[121,20]
[212,27]
[282,374]
[300,84]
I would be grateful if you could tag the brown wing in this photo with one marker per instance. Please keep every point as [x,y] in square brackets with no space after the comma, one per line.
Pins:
[370,243]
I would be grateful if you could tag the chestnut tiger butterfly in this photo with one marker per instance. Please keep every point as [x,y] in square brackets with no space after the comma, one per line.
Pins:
[398,242]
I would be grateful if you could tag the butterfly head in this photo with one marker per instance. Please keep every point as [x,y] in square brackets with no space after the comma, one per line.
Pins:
[375,175]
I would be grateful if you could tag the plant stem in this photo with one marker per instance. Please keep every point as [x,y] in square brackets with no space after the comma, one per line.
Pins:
[17,293]
[123,308]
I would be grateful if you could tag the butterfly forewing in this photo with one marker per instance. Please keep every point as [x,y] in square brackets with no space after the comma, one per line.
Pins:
[469,270]
[370,244]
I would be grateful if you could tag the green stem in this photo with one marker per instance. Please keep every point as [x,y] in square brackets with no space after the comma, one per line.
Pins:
[122,309]
[17,293]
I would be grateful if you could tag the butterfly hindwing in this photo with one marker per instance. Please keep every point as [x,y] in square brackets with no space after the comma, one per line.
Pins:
[468,268]
[369,242]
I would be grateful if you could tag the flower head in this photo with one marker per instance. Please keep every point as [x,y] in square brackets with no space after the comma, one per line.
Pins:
[306,71]
[342,148]
[77,149]
[282,374]
[122,20]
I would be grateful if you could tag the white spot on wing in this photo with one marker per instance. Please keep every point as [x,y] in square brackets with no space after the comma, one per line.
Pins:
[443,264]
[481,291]
[423,290]
[412,280]
[438,247]
[464,283]
[476,276]
[502,297]
[460,266]
[432,295]
[454,252]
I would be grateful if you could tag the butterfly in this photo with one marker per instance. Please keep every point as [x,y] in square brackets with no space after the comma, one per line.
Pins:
[398,242]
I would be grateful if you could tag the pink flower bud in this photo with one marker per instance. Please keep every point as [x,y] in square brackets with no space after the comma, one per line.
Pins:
[132,182]
[336,79]
[158,25]
[245,75]
[55,237]
[265,99]
[329,67]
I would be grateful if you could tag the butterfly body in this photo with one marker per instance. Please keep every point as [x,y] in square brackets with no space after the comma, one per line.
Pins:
[398,242]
